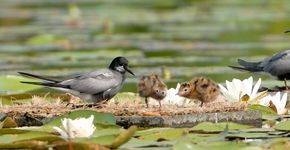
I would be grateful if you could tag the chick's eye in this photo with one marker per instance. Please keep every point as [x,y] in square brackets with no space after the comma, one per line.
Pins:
[185,90]
[157,91]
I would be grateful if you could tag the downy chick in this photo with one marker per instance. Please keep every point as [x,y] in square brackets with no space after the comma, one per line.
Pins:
[152,86]
[200,88]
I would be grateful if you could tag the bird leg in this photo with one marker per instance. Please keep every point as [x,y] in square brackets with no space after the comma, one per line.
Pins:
[146,101]
[285,82]
[159,105]
[201,104]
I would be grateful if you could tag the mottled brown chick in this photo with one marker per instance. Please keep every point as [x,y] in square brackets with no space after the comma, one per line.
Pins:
[200,88]
[152,86]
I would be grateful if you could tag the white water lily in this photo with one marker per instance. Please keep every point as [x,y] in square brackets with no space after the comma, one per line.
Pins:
[237,90]
[278,101]
[80,127]
[265,101]
[172,97]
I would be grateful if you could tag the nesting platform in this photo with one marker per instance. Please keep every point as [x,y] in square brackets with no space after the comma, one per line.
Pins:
[135,113]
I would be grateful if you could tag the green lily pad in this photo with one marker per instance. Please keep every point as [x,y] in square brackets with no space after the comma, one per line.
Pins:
[263,109]
[13,135]
[188,144]
[11,84]
[103,140]
[123,137]
[162,134]
[78,146]
[209,127]
[284,126]
[28,144]
[136,143]
[244,135]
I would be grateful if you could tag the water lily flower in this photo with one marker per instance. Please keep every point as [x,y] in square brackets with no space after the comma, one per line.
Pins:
[238,90]
[172,97]
[265,101]
[276,102]
[80,127]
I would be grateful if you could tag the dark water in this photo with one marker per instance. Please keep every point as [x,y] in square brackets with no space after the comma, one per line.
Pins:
[176,39]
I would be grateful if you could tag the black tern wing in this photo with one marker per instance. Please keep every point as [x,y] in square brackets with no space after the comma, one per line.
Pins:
[94,82]
[278,64]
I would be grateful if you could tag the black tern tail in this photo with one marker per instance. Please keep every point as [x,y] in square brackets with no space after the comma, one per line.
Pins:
[248,66]
[95,86]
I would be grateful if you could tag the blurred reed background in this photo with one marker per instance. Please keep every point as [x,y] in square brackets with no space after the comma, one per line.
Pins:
[178,39]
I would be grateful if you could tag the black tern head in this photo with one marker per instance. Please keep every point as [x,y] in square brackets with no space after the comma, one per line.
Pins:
[120,64]
[95,86]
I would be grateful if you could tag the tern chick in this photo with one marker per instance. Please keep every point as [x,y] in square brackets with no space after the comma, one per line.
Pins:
[200,88]
[96,86]
[152,86]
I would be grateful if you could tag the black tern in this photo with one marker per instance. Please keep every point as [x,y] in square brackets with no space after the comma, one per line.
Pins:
[277,65]
[95,87]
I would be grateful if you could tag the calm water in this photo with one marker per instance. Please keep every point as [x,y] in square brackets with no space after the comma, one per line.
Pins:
[176,39]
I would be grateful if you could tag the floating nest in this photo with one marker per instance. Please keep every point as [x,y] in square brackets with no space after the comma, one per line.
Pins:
[41,108]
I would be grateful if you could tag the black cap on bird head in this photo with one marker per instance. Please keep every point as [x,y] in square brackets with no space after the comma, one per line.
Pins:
[120,64]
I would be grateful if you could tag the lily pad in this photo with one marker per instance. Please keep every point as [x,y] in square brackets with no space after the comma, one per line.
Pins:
[123,137]
[208,127]
[11,84]
[263,109]
[163,134]
[267,112]
[284,126]
[13,135]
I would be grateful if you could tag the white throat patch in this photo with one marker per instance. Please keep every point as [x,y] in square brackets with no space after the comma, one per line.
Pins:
[120,69]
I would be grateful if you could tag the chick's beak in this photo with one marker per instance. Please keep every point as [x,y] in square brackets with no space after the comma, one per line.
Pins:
[127,69]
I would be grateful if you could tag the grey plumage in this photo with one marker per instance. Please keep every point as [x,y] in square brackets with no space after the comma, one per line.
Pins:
[94,86]
[277,65]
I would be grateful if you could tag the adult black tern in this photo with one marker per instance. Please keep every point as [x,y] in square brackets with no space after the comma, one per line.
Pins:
[95,87]
[277,65]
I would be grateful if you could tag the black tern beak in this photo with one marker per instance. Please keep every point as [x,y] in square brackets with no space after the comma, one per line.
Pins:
[127,69]
[287,31]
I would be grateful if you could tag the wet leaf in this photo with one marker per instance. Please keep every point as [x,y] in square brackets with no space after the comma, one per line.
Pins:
[285,125]
[136,143]
[188,144]
[9,123]
[267,113]
[164,134]
[11,84]
[13,135]
[102,140]
[208,127]
[78,146]
[30,144]
[124,137]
